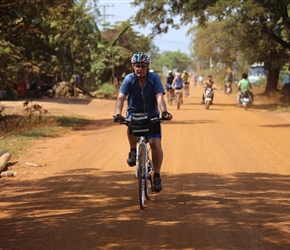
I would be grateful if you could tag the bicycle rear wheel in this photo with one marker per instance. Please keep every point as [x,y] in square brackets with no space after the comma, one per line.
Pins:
[142,177]
[178,100]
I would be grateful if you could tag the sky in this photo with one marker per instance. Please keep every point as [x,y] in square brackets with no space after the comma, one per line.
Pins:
[121,10]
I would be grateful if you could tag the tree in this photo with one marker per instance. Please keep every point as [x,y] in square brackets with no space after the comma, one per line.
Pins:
[217,41]
[117,46]
[21,31]
[271,17]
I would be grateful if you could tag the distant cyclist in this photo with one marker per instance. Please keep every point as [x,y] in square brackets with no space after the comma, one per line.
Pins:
[185,78]
[177,84]
[168,85]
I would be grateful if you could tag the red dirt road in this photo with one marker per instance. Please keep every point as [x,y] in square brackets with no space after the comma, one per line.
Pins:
[226,177]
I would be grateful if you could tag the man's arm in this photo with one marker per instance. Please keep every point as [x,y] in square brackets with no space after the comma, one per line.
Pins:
[161,102]
[120,103]
[174,79]
[162,107]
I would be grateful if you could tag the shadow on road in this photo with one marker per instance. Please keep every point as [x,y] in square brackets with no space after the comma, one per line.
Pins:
[88,209]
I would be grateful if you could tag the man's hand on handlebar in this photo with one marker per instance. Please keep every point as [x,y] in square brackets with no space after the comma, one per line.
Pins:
[118,118]
[166,115]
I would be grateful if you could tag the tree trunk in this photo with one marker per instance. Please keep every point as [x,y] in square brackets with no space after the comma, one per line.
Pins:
[286,93]
[273,77]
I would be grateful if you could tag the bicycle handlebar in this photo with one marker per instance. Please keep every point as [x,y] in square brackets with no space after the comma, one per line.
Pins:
[127,121]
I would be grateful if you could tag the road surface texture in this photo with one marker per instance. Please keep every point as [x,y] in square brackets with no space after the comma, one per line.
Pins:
[226,179]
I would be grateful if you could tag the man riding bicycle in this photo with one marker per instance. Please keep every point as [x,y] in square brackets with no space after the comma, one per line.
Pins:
[144,93]
[185,78]
[168,85]
[177,84]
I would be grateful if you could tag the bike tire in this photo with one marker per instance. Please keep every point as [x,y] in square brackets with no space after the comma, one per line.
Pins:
[178,101]
[143,187]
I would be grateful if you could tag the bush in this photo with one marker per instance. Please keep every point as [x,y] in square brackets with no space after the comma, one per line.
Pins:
[107,89]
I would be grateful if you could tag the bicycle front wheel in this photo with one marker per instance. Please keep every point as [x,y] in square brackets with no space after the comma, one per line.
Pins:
[142,177]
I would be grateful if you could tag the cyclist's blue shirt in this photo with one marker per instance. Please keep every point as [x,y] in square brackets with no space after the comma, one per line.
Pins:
[178,83]
[142,101]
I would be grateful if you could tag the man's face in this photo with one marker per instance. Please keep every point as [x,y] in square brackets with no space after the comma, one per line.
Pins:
[140,69]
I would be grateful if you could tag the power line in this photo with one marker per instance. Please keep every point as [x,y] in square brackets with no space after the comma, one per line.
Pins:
[104,15]
[170,42]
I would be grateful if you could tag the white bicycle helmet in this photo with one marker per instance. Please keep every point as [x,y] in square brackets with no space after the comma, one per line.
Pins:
[140,57]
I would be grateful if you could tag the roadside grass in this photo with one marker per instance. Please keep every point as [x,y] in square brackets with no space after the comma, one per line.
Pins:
[18,132]
[271,102]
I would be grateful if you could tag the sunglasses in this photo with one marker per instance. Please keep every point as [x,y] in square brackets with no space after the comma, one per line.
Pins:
[140,66]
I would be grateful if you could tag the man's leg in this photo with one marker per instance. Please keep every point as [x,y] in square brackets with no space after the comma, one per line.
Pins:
[181,95]
[132,154]
[157,158]
[251,95]
[238,98]
[157,153]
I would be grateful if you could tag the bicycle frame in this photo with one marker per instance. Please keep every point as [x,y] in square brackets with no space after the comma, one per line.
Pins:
[144,166]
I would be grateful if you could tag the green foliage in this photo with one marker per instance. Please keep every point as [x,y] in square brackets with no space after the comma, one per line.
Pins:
[261,34]
[177,61]
[63,39]
[107,89]
[263,14]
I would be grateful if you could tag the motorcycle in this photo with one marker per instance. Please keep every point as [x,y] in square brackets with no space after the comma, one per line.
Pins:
[228,88]
[245,100]
[208,94]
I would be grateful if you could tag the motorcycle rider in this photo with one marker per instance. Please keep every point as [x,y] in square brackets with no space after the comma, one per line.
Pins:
[200,80]
[195,80]
[168,85]
[177,84]
[228,80]
[244,86]
[209,83]
[144,93]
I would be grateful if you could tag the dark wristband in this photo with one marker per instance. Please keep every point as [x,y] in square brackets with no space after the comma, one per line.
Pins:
[164,113]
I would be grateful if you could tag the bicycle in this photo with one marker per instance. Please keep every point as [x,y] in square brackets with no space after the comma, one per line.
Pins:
[170,96]
[177,97]
[186,89]
[139,125]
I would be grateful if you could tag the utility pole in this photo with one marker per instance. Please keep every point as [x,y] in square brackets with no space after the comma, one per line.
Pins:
[104,15]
